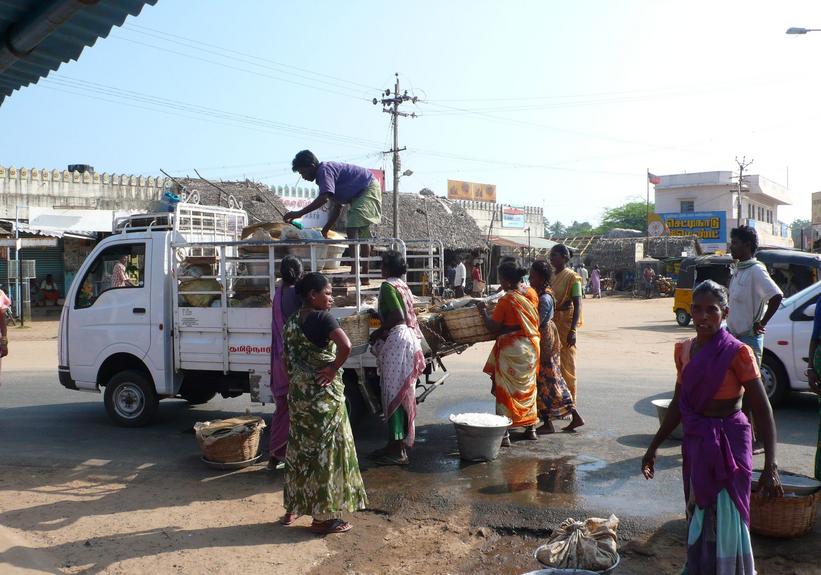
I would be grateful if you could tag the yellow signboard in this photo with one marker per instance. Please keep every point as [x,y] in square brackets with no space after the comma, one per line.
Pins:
[458,190]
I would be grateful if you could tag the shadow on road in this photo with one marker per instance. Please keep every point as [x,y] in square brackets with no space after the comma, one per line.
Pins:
[671,327]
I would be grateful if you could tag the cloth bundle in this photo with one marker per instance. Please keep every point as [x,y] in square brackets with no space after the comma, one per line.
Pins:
[589,544]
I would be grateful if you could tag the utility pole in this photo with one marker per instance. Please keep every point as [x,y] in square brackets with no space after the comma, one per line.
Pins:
[390,105]
[742,165]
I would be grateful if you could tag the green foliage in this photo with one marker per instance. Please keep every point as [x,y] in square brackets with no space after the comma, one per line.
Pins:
[580,229]
[557,229]
[632,215]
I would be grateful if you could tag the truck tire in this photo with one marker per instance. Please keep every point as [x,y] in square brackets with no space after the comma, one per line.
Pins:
[130,399]
[198,396]
[775,379]
[683,318]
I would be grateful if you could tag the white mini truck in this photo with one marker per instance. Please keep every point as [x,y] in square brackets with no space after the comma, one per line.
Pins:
[176,305]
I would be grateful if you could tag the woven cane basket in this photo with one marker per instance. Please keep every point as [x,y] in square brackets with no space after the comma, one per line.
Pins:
[467,325]
[783,517]
[219,444]
[357,327]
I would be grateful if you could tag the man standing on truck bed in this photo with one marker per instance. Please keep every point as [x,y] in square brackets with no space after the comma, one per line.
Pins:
[342,184]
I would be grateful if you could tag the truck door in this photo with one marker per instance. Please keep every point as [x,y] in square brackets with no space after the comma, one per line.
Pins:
[110,312]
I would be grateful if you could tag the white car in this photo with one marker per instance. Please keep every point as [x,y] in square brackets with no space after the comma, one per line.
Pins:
[786,345]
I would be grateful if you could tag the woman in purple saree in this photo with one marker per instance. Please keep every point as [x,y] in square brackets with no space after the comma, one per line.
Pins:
[286,303]
[715,370]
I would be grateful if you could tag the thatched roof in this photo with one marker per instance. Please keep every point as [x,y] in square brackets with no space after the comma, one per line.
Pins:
[612,254]
[421,215]
[255,198]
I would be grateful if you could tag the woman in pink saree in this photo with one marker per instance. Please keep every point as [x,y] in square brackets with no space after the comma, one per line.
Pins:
[398,349]
[286,303]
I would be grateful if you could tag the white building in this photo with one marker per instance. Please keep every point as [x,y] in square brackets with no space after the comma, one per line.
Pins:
[706,203]
[510,222]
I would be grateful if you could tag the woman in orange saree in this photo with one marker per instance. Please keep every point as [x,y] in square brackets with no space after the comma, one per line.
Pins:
[513,363]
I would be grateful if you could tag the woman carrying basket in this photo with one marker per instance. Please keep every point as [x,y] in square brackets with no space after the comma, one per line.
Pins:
[714,371]
[514,361]
[321,469]
[398,349]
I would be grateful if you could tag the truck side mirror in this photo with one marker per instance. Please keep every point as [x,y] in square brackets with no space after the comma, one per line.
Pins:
[809,311]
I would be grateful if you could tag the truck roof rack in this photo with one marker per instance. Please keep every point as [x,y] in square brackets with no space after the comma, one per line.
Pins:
[192,221]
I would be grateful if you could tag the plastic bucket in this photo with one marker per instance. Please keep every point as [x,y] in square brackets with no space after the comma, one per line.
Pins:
[662,405]
[479,443]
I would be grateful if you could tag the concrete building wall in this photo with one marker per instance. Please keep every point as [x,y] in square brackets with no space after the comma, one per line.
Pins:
[717,191]
[483,213]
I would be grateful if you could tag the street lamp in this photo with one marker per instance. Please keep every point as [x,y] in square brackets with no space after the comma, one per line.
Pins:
[802,30]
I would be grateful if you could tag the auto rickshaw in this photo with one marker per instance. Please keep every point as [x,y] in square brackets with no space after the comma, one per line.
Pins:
[693,271]
[792,270]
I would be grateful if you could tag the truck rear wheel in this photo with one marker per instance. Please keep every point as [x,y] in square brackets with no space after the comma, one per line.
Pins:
[130,399]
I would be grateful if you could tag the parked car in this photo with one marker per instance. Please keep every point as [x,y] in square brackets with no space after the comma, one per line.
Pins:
[786,345]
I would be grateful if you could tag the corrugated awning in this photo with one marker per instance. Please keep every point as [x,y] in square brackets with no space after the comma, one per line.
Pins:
[37,36]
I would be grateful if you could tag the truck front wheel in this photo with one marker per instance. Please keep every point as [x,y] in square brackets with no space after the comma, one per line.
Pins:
[130,399]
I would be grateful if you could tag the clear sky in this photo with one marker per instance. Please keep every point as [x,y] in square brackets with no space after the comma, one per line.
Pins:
[561,104]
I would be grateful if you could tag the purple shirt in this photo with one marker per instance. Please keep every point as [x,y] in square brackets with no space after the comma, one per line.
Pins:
[343,181]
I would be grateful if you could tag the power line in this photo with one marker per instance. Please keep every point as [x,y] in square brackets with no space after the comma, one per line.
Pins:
[176,107]
[236,68]
[175,38]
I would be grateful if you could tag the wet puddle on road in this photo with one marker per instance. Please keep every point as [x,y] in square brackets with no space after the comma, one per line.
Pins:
[523,479]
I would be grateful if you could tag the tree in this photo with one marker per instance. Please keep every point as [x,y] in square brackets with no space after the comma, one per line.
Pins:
[557,229]
[546,227]
[632,216]
[796,227]
[580,229]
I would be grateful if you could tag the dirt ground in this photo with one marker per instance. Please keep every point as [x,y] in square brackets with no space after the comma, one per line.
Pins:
[107,517]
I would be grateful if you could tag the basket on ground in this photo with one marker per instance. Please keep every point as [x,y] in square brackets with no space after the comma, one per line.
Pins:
[783,517]
[466,325]
[356,327]
[230,440]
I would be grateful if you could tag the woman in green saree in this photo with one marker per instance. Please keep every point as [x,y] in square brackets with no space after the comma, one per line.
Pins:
[321,469]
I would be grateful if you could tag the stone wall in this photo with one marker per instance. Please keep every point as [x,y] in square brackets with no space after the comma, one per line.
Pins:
[43,188]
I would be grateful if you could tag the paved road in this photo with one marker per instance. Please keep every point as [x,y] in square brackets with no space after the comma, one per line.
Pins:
[625,362]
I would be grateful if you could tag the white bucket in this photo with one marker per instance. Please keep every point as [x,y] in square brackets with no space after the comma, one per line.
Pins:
[479,442]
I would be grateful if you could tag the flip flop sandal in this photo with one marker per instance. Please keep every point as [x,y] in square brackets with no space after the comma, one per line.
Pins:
[389,459]
[330,526]
[289,519]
